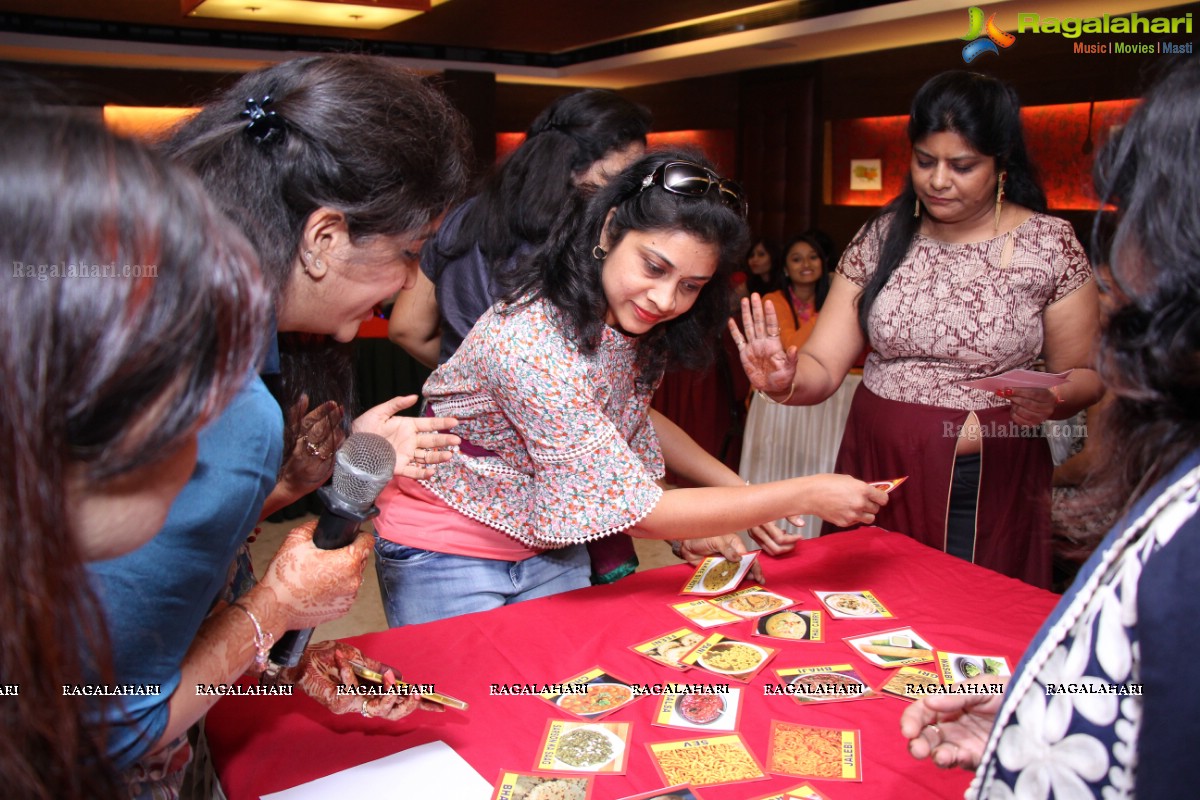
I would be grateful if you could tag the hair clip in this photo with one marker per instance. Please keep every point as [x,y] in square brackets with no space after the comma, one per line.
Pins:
[264,126]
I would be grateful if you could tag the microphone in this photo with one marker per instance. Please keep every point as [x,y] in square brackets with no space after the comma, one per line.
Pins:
[362,467]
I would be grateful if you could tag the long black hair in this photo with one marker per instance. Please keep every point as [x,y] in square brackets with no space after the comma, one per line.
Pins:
[1150,342]
[985,112]
[521,201]
[822,245]
[566,272]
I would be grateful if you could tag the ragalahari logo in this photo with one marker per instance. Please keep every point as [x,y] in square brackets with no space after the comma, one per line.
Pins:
[978,46]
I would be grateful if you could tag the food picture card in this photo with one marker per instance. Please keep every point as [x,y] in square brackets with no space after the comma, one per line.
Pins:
[792,625]
[957,667]
[753,601]
[887,486]
[853,605]
[525,786]
[895,648]
[597,747]
[717,576]
[701,711]
[706,762]
[910,683]
[730,658]
[592,695]
[1018,379]
[806,751]
[828,684]
[668,648]
[804,791]
[681,792]
[704,614]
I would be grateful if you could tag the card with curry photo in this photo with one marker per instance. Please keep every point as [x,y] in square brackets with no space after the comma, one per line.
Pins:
[591,695]
[730,658]
[716,711]
[792,625]
[832,683]
[857,604]
[717,576]
[752,602]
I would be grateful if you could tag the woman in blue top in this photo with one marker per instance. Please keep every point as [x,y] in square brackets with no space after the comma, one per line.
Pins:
[1100,704]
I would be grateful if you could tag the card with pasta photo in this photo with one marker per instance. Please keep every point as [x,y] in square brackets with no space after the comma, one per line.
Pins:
[898,647]
[853,605]
[706,762]
[806,751]
[717,576]
[792,625]
[910,683]
[835,683]
[752,602]
[804,791]
[596,747]
[716,711]
[957,667]
[683,791]
[526,786]
[591,695]
[668,648]
[704,614]
[730,658]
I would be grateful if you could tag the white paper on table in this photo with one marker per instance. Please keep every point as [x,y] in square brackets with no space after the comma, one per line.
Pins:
[427,772]
[1019,379]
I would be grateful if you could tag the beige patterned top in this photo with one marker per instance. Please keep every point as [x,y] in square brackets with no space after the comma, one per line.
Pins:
[957,312]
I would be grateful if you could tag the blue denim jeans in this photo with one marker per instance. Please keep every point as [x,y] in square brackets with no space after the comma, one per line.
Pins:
[423,585]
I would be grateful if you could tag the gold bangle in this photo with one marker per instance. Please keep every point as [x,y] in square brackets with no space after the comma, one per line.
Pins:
[782,402]
[262,640]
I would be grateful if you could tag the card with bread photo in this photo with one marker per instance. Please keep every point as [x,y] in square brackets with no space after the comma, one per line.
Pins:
[704,614]
[858,604]
[716,576]
[899,647]
[683,791]
[709,761]
[833,683]
[596,747]
[591,695]
[752,602]
[792,625]
[908,683]
[805,791]
[957,667]
[730,658]
[806,751]
[668,648]
[513,785]
[713,712]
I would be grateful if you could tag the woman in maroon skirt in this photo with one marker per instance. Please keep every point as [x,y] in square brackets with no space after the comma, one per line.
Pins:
[960,277]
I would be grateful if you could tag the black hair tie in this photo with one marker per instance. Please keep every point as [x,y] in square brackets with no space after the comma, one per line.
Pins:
[264,126]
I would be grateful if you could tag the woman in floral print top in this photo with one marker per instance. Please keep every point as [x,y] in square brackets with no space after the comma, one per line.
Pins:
[1101,704]
[552,390]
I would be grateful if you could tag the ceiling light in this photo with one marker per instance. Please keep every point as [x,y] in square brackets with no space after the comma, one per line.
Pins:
[366,15]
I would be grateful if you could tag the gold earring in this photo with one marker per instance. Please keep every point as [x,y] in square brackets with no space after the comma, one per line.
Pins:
[999,200]
[917,208]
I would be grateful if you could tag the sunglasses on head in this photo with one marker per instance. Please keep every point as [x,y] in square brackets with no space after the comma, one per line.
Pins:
[693,180]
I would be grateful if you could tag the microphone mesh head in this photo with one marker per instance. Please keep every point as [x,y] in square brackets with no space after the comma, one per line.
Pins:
[363,466]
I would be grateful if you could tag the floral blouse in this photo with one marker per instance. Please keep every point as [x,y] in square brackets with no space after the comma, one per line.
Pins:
[575,456]
[957,312]
[1104,704]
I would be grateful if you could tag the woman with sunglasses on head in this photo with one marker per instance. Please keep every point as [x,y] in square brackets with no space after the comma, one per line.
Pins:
[552,390]
[962,276]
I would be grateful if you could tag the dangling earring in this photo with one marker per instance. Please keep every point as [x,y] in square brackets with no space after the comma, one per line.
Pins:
[917,208]
[599,253]
[999,200]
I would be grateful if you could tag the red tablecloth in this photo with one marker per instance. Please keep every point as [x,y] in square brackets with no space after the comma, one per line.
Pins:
[261,745]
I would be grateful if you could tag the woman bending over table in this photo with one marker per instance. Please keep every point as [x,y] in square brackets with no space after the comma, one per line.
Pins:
[962,276]
[552,390]
[1069,723]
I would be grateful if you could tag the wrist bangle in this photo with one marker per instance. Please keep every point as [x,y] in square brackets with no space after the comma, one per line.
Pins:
[783,402]
[262,641]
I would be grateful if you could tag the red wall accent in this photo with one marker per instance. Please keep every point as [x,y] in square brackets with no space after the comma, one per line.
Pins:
[719,145]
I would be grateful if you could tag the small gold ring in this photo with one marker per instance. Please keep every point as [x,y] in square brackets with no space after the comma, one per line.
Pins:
[312,449]
[364,711]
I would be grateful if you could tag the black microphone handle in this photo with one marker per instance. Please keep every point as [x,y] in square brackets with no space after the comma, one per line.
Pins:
[337,528]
